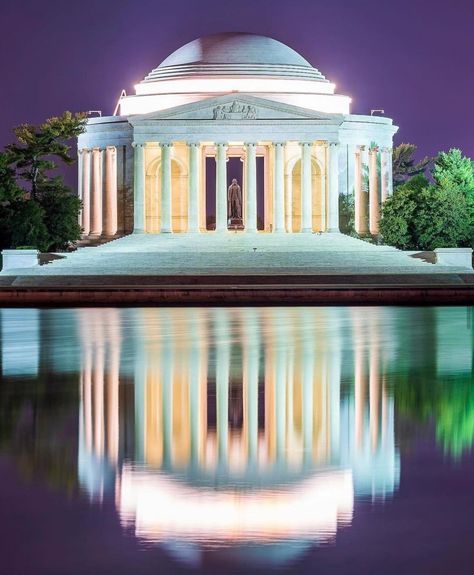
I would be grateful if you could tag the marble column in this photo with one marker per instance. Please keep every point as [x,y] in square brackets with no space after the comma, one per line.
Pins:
[139,189]
[96,219]
[289,202]
[110,224]
[166,206]
[221,187]
[390,172]
[333,219]
[306,188]
[86,191]
[384,175]
[373,192]
[193,188]
[251,188]
[279,187]
[360,200]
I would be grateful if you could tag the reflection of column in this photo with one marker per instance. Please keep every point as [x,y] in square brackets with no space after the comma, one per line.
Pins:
[87,393]
[251,188]
[86,191]
[374,389]
[113,374]
[96,220]
[139,189]
[194,384]
[333,218]
[280,383]
[166,221]
[221,188]
[306,188]
[251,354]
[279,186]
[222,382]
[110,191]
[334,377]
[308,394]
[167,371]
[359,395]
[98,393]
[373,192]
[193,203]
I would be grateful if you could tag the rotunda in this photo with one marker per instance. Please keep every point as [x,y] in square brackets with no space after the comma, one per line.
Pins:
[233,107]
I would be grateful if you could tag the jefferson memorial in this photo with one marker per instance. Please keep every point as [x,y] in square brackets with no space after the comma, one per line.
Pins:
[232,132]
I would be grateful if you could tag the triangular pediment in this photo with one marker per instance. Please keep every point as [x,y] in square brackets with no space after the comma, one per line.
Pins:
[237,107]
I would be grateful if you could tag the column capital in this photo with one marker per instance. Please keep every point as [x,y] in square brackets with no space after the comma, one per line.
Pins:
[248,144]
[110,148]
[193,144]
[221,145]
[138,145]
[97,149]
[361,147]
[306,144]
[332,144]
[166,144]
[275,144]
[373,149]
[83,151]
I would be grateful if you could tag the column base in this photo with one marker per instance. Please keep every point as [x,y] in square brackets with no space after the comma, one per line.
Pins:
[333,231]
[306,231]
[138,231]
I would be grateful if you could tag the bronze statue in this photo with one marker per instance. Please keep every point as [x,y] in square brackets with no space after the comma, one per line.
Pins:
[234,201]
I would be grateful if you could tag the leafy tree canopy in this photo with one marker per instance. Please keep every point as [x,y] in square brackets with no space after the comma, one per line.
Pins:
[404,165]
[39,147]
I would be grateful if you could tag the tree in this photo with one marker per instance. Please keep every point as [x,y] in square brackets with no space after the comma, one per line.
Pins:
[43,212]
[397,223]
[404,166]
[453,171]
[441,219]
[60,209]
[37,147]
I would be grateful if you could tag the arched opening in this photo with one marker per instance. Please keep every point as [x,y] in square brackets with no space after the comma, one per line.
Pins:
[293,193]
[179,198]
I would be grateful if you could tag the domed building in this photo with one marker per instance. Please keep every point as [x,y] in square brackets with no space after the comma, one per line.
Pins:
[233,132]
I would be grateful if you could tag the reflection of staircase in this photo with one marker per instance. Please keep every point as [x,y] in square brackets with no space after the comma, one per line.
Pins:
[237,253]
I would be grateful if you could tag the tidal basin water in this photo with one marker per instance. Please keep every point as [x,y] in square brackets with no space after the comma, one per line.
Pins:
[232,440]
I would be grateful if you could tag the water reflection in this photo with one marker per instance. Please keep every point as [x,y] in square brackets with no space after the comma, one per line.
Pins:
[252,431]
[241,429]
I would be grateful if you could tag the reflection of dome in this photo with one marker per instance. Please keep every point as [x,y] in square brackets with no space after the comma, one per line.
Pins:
[164,510]
[235,54]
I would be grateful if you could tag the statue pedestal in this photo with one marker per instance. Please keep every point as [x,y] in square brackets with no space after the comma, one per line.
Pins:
[235,224]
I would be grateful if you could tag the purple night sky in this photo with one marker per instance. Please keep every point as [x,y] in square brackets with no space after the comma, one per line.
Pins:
[412,58]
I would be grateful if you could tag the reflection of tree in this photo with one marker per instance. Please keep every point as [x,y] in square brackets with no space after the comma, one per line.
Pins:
[38,427]
[448,401]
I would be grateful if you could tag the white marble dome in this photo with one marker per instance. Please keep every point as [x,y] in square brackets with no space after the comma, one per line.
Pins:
[231,63]
[235,54]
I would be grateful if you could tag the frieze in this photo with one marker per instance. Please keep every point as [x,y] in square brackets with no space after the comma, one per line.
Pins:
[235,111]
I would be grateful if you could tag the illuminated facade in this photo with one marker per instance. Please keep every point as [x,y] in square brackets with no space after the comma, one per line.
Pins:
[233,105]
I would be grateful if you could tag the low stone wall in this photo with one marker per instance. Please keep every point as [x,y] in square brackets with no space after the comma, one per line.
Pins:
[459,257]
[16,259]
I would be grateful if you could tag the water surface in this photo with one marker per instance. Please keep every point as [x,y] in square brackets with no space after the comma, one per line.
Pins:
[297,440]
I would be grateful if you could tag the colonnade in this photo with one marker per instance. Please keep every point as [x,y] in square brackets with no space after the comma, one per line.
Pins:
[367,174]
[98,190]
[279,202]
